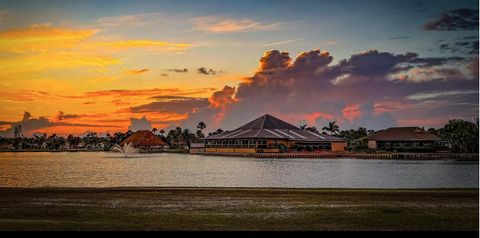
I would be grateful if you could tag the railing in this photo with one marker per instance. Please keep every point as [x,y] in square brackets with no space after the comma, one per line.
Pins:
[391,156]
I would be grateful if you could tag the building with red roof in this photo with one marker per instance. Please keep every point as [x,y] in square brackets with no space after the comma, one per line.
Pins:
[145,141]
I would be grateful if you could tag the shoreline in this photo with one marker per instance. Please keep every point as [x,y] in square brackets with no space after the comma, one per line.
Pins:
[349,155]
[173,188]
[353,155]
[213,208]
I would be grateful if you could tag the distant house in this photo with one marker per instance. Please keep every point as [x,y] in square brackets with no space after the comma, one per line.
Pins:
[145,141]
[403,139]
[268,134]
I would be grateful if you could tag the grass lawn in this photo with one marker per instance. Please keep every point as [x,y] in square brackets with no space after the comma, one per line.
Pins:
[237,209]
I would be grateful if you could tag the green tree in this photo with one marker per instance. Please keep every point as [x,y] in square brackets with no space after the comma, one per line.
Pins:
[461,135]
[332,128]
[312,129]
[174,137]
[218,131]
[432,131]
[201,126]
[186,137]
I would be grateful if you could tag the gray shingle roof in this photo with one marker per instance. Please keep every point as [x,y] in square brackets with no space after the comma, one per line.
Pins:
[270,127]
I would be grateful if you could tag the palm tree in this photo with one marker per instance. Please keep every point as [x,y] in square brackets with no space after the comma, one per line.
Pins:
[201,125]
[303,126]
[332,128]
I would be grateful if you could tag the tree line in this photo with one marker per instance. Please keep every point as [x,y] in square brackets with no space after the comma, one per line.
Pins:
[461,135]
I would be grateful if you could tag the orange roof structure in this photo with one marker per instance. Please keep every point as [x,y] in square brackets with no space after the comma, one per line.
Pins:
[143,138]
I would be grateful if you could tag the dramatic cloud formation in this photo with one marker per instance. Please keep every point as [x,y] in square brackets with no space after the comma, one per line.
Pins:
[139,124]
[219,24]
[223,97]
[372,89]
[462,19]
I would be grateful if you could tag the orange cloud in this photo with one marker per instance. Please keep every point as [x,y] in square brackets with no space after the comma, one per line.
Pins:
[31,95]
[223,97]
[148,92]
[41,38]
[351,112]
[44,47]
[312,117]
[26,63]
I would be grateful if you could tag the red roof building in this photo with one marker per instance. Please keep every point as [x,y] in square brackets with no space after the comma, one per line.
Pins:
[145,141]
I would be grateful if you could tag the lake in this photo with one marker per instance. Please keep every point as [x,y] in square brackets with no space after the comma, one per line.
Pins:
[107,169]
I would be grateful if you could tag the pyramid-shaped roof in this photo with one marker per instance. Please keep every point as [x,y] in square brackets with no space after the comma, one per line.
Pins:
[270,127]
[268,122]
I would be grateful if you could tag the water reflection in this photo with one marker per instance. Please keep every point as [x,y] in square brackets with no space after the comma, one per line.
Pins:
[103,169]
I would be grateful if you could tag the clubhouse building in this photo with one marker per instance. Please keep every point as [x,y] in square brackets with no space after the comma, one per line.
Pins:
[268,134]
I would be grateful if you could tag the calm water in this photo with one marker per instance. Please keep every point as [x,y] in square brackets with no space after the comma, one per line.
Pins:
[103,169]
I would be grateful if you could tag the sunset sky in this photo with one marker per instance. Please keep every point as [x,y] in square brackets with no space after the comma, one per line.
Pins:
[69,67]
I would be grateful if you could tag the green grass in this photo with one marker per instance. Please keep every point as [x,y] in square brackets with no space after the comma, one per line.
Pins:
[238,209]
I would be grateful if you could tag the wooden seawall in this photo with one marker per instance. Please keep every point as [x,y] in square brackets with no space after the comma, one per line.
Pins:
[403,156]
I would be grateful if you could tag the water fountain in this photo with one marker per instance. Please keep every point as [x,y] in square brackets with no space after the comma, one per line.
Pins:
[126,149]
